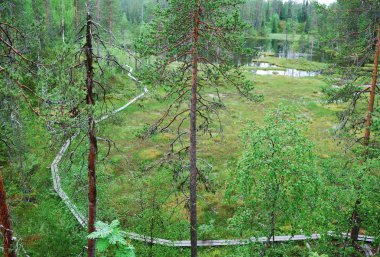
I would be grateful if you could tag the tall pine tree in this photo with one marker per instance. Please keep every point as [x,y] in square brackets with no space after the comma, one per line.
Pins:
[194,43]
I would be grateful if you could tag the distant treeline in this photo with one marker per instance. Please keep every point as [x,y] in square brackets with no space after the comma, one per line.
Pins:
[277,16]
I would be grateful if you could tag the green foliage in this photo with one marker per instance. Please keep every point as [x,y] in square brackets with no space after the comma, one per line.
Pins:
[338,94]
[276,180]
[180,55]
[270,182]
[205,229]
[275,21]
[314,254]
[111,239]
[276,14]
[376,122]
[143,132]
[344,183]
[164,38]
[349,37]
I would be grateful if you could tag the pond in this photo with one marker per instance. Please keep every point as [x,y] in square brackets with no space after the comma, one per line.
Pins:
[287,72]
[270,69]
[282,49]
[288,49]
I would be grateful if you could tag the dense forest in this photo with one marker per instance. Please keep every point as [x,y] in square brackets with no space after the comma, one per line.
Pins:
[189,128]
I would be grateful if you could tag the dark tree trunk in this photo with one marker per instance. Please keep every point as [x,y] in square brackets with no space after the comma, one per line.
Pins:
[355,219]
[92,139]
[5,222]
[193,139]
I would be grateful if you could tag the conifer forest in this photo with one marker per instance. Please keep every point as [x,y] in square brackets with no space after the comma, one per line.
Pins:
[210,128]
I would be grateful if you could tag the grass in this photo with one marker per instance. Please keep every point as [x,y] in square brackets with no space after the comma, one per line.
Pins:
[300,64]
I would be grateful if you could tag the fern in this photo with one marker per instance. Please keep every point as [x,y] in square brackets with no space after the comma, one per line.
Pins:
[111,239]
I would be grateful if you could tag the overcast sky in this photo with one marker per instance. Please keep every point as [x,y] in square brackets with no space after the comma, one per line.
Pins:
[321,1]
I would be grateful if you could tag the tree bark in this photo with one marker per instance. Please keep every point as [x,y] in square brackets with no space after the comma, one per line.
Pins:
[372,92]
[355,219]
[193,138]
[92,139]
[5,222]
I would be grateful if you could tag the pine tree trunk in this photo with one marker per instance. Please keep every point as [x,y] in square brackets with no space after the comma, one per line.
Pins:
[355,219]
[372,92]
[92,140]
[193,139]
[5,222]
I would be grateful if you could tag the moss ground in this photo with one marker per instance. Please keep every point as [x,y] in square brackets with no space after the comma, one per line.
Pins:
[300,95]
[126,186]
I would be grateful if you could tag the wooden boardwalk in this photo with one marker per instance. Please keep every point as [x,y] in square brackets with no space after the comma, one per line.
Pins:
[82,220]
[230,242]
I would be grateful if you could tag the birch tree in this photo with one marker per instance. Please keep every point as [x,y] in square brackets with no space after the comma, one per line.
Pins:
[275,178]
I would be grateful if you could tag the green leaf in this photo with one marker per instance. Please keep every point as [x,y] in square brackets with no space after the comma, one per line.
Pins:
[102,245]
[111,235]
[127,251]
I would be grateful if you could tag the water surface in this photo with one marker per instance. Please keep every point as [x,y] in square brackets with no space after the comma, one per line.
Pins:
[270,69]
